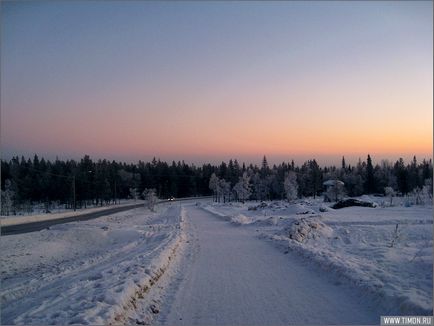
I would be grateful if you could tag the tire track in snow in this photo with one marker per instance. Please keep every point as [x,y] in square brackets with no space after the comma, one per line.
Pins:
[98,292]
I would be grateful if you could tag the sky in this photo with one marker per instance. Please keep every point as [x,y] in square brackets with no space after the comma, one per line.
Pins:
[209,81]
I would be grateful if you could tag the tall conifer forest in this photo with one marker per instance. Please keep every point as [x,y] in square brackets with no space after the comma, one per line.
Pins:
[28,181]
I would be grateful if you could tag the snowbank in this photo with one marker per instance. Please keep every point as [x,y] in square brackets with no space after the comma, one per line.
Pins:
[304,229]
[241,219]
[88,272]
[363,246]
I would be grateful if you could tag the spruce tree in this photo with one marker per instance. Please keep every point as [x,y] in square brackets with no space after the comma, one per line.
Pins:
[370,180]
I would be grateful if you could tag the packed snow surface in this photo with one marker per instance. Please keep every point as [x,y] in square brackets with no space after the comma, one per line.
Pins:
[231,277]
[385,251]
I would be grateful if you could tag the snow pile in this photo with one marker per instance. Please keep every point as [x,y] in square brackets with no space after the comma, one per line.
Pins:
[88,272]
[216,210]
[304,229]
[241,219]
[324,208]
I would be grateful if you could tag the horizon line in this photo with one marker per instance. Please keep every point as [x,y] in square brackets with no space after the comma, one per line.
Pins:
[205,161]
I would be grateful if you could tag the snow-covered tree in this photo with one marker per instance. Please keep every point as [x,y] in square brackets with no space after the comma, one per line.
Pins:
[291,186]
[389,193]
[242,188]
[238,191]
[7,198]
[150,198]
[426,194]
[224,190]
[134,193]
[336,192]
[213,185]
[417,193]
[428,188]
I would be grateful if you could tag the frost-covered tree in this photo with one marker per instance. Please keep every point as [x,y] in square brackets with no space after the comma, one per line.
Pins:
[417,195]
[242,188]
[389,192]
[214,185]
[291,186]
[150,198]
[238,191]
[134,193]
[7,198]
[224,190]
[336,192]
[428,187]
[426,192]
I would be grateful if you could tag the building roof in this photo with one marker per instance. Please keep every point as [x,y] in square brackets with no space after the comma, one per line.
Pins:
[332,182]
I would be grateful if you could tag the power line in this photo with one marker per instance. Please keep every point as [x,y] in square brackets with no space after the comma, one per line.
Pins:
[50,173]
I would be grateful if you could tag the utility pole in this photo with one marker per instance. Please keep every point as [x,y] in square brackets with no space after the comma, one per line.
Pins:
[73,191]
[66,177]
[115,191]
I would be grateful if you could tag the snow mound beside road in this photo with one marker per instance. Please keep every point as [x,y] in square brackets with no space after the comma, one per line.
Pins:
[304,229]
[241,219]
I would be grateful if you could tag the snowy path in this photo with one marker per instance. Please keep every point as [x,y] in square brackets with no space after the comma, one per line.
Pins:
[233,278]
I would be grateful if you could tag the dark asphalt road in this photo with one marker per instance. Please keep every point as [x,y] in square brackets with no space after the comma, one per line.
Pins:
[36,226]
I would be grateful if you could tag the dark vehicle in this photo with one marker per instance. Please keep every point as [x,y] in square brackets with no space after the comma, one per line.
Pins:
[351,202]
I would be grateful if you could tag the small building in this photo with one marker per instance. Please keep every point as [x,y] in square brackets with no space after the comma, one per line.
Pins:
[333,190]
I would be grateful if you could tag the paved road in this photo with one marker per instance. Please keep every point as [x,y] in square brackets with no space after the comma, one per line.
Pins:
[37,226]
[234,278]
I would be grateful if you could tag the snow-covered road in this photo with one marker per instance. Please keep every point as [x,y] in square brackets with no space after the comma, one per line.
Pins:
[231,277]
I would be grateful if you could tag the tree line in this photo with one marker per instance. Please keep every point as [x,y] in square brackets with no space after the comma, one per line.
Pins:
[289,181]
[26,181]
